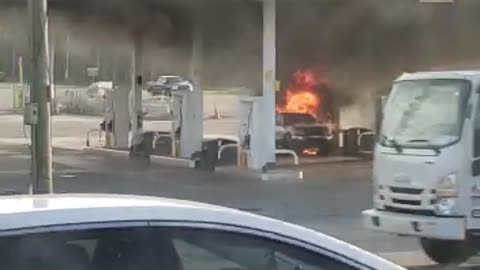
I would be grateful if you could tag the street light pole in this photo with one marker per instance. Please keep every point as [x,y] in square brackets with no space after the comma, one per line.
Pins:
[41,96]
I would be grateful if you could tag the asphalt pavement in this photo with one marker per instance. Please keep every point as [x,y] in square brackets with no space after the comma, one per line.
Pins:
[329,199]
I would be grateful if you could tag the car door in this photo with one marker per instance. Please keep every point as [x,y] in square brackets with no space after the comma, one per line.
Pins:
[473,189]
[221,247]
[162,245]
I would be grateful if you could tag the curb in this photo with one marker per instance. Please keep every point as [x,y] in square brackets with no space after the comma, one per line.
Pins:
[324,163]
[108,151]
[158,160]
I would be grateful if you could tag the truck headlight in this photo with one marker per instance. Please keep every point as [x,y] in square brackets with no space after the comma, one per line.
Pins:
[378,197]
[447,187]
[445,206]
[446,193]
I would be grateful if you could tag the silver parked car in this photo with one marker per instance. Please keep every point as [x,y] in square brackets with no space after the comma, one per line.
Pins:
[167,84]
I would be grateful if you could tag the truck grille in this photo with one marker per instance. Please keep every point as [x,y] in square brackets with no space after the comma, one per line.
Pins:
[315,131]
[407,202]
[412,191]
[420,212]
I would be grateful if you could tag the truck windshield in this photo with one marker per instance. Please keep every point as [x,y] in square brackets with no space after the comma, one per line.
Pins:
[425,113]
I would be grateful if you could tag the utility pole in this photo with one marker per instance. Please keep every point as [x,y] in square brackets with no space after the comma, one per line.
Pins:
[136,73]
[13,65]
[41,95]
[53,54]
[67,57]
[20,70]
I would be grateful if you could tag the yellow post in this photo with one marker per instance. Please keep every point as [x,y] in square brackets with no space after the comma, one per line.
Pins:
[242,160]
[18,96]
[108,140]
[278,85]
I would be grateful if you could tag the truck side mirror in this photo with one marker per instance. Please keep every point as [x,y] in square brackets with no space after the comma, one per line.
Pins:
[379,105]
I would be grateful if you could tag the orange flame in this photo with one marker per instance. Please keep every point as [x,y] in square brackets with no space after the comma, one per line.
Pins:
[301,96]
[310,152]
[301,102]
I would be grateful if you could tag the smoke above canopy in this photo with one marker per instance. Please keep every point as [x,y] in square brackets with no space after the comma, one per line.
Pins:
[360,44]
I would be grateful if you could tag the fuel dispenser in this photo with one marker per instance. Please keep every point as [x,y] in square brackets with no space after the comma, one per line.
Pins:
[116,121]
[250,154]
[104,90]
[186,116]
[185,135]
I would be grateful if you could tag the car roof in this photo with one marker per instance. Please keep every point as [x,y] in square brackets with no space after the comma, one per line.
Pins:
[447,74]
[33,211]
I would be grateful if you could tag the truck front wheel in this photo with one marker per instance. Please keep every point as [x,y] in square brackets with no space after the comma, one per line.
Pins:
[447,251]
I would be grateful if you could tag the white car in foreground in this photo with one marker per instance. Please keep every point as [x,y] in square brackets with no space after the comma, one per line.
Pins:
[105,232]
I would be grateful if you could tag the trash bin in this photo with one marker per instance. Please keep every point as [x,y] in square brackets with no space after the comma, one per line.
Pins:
[144,149]
[351,147]
[209,156]
[367,143]
[147,142]
[229,155]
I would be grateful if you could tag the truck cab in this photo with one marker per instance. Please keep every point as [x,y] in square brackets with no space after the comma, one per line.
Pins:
[426,171]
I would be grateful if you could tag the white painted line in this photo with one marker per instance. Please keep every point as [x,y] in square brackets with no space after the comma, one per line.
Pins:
[174,162]
[108,151]
[22,172]
[27,172]
[14,140]
[69,176]
[166,161]
[283,176]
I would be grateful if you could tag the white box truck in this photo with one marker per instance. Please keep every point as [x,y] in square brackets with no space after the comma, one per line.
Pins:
[426,171]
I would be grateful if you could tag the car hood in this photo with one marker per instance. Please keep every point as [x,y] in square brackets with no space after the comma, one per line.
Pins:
[307,125]
[312,130]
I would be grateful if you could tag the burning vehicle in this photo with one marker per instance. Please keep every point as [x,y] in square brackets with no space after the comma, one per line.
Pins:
[304,121]
[301,132]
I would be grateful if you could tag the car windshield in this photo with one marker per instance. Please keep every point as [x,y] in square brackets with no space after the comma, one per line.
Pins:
[425,113]
[172,80]
[298,119]
[169,80]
